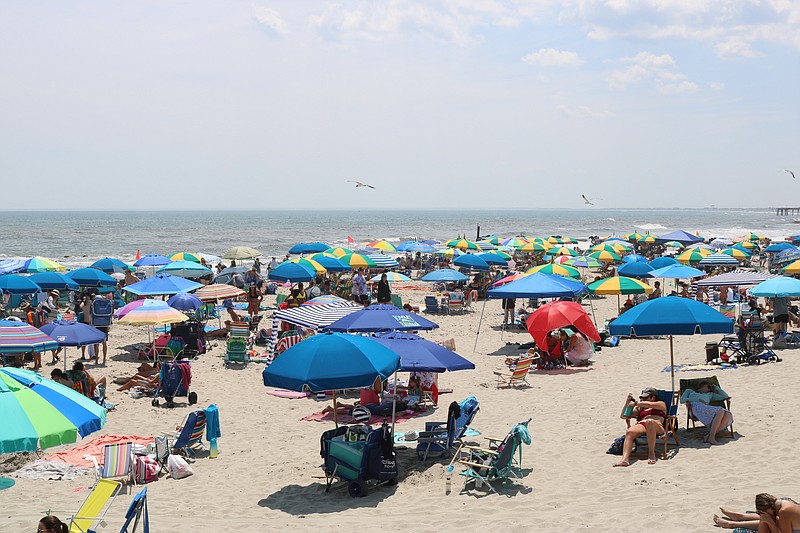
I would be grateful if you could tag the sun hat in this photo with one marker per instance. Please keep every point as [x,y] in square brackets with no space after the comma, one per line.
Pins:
[649,391]
[24,305]
[55,292]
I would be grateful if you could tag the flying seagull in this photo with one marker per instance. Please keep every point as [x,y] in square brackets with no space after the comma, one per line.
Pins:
[789,171]
[361,184]
[586,200]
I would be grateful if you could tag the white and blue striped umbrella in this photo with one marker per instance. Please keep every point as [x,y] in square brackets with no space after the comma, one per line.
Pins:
[383,261]
[9,266]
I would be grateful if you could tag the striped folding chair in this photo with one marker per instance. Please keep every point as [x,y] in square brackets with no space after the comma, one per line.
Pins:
[190,433]
[240,329]
[117,462]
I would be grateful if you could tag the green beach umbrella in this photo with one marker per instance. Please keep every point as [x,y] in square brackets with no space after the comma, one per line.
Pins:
[563,250]
[605,256]
[338,253]
[309,263]
[614,248]
[692,256]
[633,237]
[357,261]
[584,261]
[185,256]
[739,253]
[674,244]
[620,285]
[553,268]
[534,247]
[646,239]
[501,254]
[462,244]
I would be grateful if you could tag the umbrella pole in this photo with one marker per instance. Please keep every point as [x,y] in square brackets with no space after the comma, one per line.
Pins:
[591,306]
[394,402]
[335,414]
[480,321]
[671,364]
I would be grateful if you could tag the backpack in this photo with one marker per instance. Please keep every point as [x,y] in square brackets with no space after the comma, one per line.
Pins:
[101,310]
[616,446]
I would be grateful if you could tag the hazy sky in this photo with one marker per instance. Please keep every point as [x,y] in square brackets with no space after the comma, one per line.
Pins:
[435,102]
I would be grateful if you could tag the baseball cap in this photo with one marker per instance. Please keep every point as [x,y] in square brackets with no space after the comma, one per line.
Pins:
[649,391]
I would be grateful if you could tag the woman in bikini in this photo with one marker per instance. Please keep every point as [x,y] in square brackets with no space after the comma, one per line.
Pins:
[773,515]
[650,414]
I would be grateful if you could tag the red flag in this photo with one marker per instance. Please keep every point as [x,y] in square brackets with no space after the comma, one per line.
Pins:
[138,255]
[350,240]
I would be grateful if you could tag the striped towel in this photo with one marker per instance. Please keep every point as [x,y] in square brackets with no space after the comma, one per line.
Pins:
[286,342]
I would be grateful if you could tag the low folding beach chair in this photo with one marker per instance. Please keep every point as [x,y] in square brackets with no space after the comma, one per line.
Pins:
[517,376]
[95,506]
[483,465]
[190,433]
[137,512]
[117,462]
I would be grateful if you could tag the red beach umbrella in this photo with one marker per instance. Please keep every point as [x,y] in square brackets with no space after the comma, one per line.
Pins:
[558,315]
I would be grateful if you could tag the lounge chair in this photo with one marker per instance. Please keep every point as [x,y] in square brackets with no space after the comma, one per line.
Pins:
[397,301]
[686,384]
[95,506]
[236,351]
[431,304]
[190,433]
[137,511]
[517,376]
[456,302]
[485,465]
[670,426]
[117,462]
[442,437]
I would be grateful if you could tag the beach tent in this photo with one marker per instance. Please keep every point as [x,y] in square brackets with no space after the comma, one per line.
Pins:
[680,236]
[736,278]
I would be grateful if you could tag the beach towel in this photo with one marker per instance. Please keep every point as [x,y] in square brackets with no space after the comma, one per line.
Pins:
[689,367]
[283,393]
[82,455]
[728,310]
[401,416]
[50,470]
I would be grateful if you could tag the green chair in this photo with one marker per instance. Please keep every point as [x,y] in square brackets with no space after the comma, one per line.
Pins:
[484,465]
[693,384]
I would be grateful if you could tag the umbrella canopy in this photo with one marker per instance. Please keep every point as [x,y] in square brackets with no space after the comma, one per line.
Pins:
[736,278]
[719,260]
[674,244]
[583,261]
[635,270]
[646,239]
[539,285]
[91,277]
[677,272]
[660,262]
[529,247]
[633,237]
[486,245]
[391,277]
[472,262]
[555,239]
[563,250]
[620,285]
[444,274]
[39,413]
[780,287]
[185,269]
[110,265]
[16,284]
[331,361]
[70,333]
[19,337]
[162,284]
[515,242]
[310,264]
[54,280]
[383,261]
[499,253]
[9,266]
[420,247]
[679,236]
[308,248]
[615,247]
[449,252]
[748,245]
[152,260]
[634,258]
[328,299]
[752,237]
[792,268]
[558,315]
[357,261]
[210,258]
[339,252]
[381,317]
[720,242]
[462,244]
[559,270]
[330,262]
[606,256]
[384,245]
[185,301]
[492,259]
[242,252]
[185,256]
[779,247]
[127,308]
[218,291]
[153,312]
[293,272]
[421,355]
[42,264]
[693,255]
[737,253]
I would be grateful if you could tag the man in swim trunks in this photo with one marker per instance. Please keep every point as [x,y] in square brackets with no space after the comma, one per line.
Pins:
[650,414]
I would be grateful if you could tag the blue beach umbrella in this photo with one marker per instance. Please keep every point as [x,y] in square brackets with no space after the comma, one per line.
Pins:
[779,247]
[677,271]
[635,270]
[539,285]
[72,333]
[308,248]
[9,266]
[184,301]
[110,265]
[670,315]
[162,284]
[91,277]
[16,284]
[381,317]
[20,337]
[445,275]
[421,247]
[634,258]
[54,280]
[421,355]
[680,236]
[471,261]
[185,269]
[492,259]
[330,361]
[152,260]
[292,272]
[780,287]
[660,262]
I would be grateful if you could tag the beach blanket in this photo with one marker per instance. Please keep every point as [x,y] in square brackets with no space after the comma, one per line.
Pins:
[401,416]
[689,367]
[400,438]
[47,470]
[94,448]
[283,393]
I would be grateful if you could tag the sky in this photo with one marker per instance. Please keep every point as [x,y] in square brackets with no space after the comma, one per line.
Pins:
[436,103]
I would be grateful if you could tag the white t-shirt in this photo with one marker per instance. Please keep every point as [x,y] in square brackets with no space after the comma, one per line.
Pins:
[512,265]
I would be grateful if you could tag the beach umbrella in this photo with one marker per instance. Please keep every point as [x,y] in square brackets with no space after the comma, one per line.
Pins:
[674,244]
[308,248]
[671,315]
[54,280]
[185,269]
[720,242]
[562,250]
[444,275]
[329,299]
[291,272]
[91,277]
[72,333]
[16,284]
[20,337]
[509,279]
[421,248]
[660,262]
[539,285]
[383,261]
[162,284]
[679,236]
[559,270]
[391,277]
[403,246]
[581,261]
[634,258]
[242,252]
[499,253]
[529,247]
[449,252]
[339,252]
[677,271]
[492,259]
[515,242]
[780,287]
[633,237]
[555,239]
[747,245]
[384,245]
[39,413]
[185,256]
[778,247]
[614,247]
[719,260]
[471,261]
[381,317]
[128,307]
[646,239]
[210,258]
[357,261]
[185,301]
[692,255]
[486,246]
[9,266]
[329,262]
[152,260]
[752,237]
[432,242]
[153,312]
[792,268]
[42,264]
[310,264]
[557,315]
[635,270]
[605,256]
[462,244]
[218,291]
[567,260]
[110,265]
[421,355]
[620,285]
[493,239]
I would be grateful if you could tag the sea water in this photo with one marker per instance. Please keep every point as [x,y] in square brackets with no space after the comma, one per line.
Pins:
[77,238]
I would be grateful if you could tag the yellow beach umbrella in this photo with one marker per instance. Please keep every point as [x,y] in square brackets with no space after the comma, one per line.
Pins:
[534,247]
[357,261]
[554,268]
[692,255]
[604,256]
[563,250]
[338,253]
[185,256]
[792,268]
[310,263]
[383,244]
[462,244]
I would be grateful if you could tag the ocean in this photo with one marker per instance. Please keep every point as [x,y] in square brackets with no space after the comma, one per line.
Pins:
[77,238]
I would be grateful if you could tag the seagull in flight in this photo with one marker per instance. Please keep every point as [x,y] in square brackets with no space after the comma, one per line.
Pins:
[789,171]
[361,184]
[586,200]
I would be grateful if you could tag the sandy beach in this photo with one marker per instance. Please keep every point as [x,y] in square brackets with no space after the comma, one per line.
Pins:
[268,473]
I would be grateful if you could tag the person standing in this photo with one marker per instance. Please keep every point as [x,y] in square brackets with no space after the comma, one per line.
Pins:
[359,290]
[273,263]
[101,311]
[384,290]
[257,265]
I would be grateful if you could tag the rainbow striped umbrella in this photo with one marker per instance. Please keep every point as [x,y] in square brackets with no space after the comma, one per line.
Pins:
[153,312]
[19,337]
[357,261]
[737,253]
[693,255]
[39,413]
[218,291]
[514,242]
[462,244]
[185,256]
[339,252]
[553,268]
[620,285]
[391,277]
[606,256]
[534,247]
[42,264]
[382,244]
[563,250]
[450,252]
[310,263]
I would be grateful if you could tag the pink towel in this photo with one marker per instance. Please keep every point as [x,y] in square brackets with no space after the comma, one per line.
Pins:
[283,393]
[94,447]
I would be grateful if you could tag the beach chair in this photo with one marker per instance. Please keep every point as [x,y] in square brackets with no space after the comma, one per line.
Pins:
[693,383]
[137,512]
[670,398]
[236,351]
[456,302]
[517,376]
[117,462]
[397,301]
[173,350]
[239,329]
[443,437]
[498,444]
[162,452]
[431,305]
[95,506]
[190,433]
[484,465]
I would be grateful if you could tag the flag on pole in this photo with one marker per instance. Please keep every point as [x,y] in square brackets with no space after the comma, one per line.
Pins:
[350,240]
[138,254]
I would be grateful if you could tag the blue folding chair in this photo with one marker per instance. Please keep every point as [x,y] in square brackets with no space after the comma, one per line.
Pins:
[137,512]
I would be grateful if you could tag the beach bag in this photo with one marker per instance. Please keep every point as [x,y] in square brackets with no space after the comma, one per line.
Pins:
[616,446]
[178,467]
[145,469]
[101,312]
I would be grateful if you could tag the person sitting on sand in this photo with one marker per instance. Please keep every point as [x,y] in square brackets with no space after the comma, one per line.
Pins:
[773,515]
[382,409]
[650,414]
[84,382]
[713,417]
[577,349]
[144,372]
[59,376]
